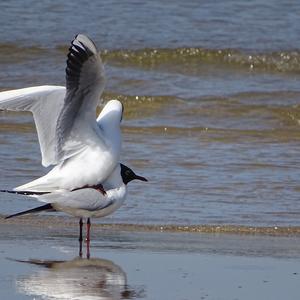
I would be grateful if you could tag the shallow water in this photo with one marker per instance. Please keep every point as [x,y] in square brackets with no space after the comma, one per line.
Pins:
[211,94]
[40,262]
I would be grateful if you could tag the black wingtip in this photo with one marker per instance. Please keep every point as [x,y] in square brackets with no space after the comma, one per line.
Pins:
[25,193]
[86,41]
[45,207]
[81,49]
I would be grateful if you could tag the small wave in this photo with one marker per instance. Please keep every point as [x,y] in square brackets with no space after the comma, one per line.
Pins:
[229,229]
[207,134]
[277,61]
[15,127]
[282,61]
[14,53]
[220,135]
[137,106]
[59,221]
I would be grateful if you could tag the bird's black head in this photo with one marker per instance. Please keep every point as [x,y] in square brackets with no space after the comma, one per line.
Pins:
[128,175]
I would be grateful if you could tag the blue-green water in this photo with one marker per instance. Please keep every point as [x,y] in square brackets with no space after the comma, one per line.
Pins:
[211,93]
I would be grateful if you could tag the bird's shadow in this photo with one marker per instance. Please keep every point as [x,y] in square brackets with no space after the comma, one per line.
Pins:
[78,278]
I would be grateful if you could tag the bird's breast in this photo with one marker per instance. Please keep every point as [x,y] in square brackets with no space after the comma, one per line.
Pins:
[90,167]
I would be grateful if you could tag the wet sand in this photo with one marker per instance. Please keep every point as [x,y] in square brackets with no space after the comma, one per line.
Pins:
[39,261]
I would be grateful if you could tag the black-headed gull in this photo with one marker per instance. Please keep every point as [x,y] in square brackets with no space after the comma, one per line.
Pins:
[87,179]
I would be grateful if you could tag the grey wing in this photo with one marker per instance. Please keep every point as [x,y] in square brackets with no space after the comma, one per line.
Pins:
[45,103]
[85,82]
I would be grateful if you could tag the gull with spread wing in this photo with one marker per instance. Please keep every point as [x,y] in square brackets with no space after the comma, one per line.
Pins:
[87,179]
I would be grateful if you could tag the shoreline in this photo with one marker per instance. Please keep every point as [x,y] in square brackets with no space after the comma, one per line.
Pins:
[39,260]
[58,221]
[145,238]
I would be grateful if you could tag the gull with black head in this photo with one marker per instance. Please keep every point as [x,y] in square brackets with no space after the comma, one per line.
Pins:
[86,202]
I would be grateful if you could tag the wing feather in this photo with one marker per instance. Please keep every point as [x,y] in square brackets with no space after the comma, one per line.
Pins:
[45,103]
[65,117]
[84,199]
[85,82]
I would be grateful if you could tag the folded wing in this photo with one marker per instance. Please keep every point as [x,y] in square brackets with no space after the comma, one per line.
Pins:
[72,201]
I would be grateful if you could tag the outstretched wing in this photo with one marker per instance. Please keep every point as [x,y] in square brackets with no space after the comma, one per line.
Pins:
[45,102]
[85,82]
[64,118]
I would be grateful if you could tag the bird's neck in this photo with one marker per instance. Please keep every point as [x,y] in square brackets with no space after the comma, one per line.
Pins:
[117,194]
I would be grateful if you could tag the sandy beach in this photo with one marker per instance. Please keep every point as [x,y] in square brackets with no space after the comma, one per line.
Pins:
[38,258]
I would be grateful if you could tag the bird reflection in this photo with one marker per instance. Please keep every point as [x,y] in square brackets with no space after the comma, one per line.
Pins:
[79,278]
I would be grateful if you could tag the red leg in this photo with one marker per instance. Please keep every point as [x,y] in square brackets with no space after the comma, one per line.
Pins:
[88,228]
[80,237]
